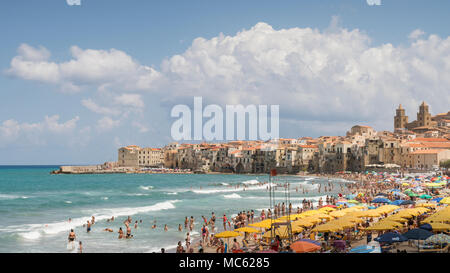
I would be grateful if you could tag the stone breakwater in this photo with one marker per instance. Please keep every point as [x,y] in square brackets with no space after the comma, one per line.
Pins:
[99,169]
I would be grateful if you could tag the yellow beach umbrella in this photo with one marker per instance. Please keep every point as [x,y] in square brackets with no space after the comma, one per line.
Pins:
[281,231]
[247,229]
[323,216]
[327,228]
[427,205]
[343,224]
[440,227]
[437,219]
[445,200]
[396,218]
[263,224]
[327,209]
[297,229]
[303,223]
[352,219]
[227,234]
[338,213]
[384,225]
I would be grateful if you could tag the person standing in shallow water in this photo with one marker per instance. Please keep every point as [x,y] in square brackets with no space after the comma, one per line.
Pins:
[88,228]
[72,236]
[120,233]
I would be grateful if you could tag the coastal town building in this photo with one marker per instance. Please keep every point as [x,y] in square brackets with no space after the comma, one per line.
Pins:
[420,144]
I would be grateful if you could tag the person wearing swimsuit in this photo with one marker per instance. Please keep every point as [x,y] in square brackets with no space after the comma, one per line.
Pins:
[128,232]
[72,236]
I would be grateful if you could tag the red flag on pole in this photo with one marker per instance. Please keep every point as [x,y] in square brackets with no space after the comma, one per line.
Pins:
[273,172]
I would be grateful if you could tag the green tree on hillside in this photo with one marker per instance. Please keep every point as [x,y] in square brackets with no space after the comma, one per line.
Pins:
[445,164]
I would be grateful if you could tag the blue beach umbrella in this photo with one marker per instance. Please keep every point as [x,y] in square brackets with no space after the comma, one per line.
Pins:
[391,237]
[381,194]
[438,199]
[417,234]
[426,227]
[407,202]
[380,200]
[397,202]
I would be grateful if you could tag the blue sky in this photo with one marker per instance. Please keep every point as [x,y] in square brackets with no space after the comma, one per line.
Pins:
[151,33]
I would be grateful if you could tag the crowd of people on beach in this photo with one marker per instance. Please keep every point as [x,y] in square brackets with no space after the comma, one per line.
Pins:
[362,187]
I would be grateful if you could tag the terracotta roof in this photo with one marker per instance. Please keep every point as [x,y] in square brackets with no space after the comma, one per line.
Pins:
[430,139]
[309,146]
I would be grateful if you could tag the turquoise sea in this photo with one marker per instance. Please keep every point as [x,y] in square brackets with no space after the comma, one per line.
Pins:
[35,206]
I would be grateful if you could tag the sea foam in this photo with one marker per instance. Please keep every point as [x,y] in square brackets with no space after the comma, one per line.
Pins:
[33,231]
[232,196]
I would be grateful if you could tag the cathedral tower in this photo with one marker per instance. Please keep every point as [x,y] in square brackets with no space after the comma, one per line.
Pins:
[400,119]
[423,116]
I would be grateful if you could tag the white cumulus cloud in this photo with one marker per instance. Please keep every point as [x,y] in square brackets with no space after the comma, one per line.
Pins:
[102,69]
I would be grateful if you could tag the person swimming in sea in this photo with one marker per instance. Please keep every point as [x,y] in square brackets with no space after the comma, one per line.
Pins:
[108,229]
[120,233]
[166,228]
